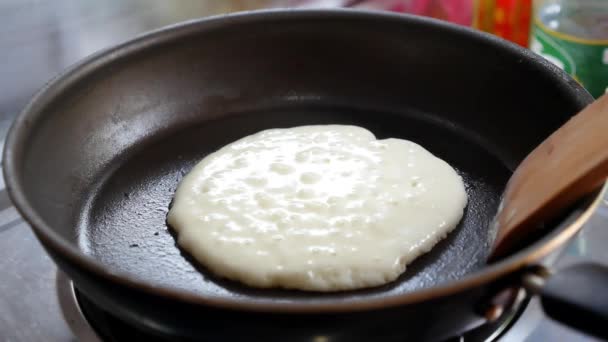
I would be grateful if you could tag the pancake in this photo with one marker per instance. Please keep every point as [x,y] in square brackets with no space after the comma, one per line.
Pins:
[316,208]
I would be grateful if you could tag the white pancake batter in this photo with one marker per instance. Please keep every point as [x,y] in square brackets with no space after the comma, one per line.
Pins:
[320,208]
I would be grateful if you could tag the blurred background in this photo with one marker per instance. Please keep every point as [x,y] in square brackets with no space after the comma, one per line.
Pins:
[39,38]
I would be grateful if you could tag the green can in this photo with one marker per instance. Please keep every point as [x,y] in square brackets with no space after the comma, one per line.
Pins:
[574,36]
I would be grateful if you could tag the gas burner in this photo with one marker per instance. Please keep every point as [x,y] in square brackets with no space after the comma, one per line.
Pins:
[89,323]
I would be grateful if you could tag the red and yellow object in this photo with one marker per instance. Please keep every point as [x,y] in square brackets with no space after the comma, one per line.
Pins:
[509,19]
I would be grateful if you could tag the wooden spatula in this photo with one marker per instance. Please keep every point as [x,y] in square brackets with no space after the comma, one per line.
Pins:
[569,164]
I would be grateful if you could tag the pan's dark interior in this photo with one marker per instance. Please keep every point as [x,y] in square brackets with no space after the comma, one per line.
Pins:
[102,163]
[125,223]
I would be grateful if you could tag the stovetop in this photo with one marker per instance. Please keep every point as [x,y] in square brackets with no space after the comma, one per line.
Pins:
[41,38]
[91,324]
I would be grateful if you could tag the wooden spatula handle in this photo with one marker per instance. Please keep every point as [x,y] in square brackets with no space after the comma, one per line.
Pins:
[569,164]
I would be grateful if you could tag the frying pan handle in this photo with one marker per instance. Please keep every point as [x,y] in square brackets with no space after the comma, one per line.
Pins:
[576,296]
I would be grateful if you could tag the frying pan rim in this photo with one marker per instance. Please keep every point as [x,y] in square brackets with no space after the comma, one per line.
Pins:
[19,131]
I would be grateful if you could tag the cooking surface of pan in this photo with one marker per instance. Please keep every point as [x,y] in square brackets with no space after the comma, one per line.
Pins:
[123,223]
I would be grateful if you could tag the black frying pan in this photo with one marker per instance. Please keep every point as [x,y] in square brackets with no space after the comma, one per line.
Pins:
[93,162]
